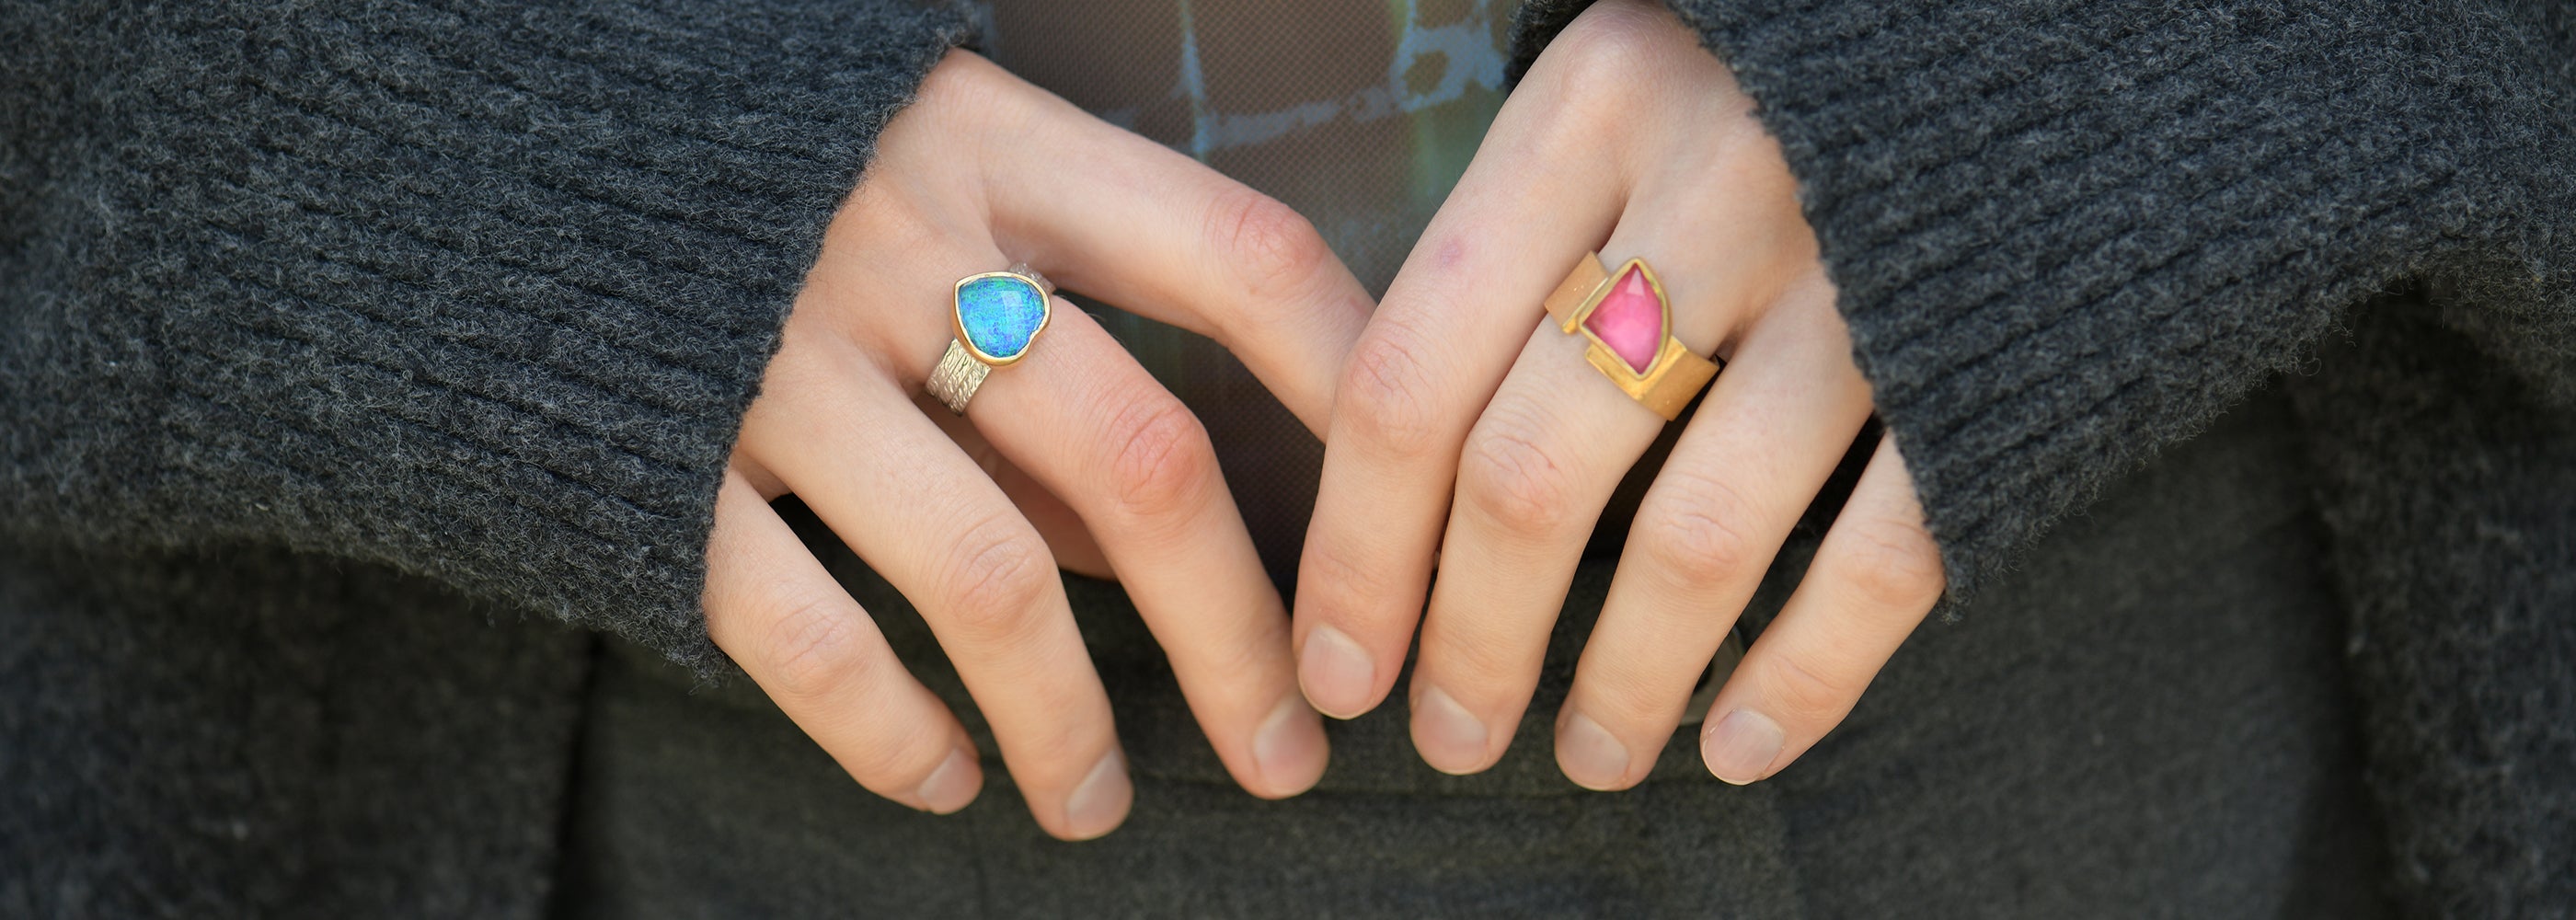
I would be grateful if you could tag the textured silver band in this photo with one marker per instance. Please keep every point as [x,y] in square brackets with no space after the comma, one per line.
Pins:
[956,376]
[1023,270]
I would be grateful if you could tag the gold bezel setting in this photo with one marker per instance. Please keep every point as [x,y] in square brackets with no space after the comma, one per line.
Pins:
[957,315]
[1676,374]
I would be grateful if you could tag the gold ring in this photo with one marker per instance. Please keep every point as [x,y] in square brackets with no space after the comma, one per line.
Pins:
[1630,323]
[995,318]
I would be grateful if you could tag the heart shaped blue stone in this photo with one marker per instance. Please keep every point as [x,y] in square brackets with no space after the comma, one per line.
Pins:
[1000,314]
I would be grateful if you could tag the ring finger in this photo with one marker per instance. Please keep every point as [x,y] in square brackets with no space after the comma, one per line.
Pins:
[1764,441]
[1089,424]
[1553,444]
[1081,418]
[1536,471]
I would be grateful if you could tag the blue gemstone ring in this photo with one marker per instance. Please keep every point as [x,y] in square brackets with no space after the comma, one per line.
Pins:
[996,317]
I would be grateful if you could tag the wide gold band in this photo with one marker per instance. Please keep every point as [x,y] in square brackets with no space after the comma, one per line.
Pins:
[1670,380]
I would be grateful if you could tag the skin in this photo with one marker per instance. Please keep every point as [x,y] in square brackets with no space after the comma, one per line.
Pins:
[1470,437]
[1073,457]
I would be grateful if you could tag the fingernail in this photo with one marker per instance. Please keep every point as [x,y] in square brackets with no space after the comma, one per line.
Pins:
[1289,748]
[1591,756]
[1449,737]
[1742,746]
[1337,673]
[953,785]
[1100,802]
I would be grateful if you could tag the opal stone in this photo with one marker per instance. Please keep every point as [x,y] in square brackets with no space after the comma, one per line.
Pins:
[1000,314]
[1630,319]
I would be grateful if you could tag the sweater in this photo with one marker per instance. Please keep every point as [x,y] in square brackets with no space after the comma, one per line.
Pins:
[314,310]
[318,318]
[2067,235]
[476,291]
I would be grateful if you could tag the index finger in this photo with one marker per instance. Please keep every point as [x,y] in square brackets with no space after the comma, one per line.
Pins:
[1118,217]
[1542,192]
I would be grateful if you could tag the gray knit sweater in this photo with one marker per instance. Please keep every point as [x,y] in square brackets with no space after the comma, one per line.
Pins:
[2068,234]
[477,292]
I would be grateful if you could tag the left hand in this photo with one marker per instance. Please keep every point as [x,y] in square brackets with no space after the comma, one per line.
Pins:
[1629,138]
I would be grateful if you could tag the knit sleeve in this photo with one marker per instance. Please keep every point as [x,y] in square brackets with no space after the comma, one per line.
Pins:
[477,290]
[2067,233]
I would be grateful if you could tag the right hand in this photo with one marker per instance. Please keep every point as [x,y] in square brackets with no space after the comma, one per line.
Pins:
[1074,455]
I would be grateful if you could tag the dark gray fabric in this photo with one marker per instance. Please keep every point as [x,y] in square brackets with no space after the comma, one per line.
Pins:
[476,290]
[2451,490]
[2154,723]
[249,733]
[2068,234]
[2150,719]
[296,296]
[317,319]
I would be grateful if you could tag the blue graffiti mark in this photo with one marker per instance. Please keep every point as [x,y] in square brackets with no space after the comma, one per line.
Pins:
[1194,88]
[1468,45]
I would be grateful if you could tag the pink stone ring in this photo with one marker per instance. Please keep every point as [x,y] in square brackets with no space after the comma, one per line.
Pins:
[1630,323]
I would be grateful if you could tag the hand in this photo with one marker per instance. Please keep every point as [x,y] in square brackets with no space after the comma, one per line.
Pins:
[1629,138]
[1073,443]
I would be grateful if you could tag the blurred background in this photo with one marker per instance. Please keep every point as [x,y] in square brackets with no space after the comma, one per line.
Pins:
[1358,113]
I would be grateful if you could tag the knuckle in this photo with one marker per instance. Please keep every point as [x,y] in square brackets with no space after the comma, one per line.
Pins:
[1386,397]
[1470,659]
[1895,565]
[895,756]
[1346,587]
[1000,574]
[1165,465]
[888,765]
[1270,246]
[969,96]
[1699,531]
[1507,476]
[1608,49]
[813,651]
[1057,755]
[1622,693]
[1805,694]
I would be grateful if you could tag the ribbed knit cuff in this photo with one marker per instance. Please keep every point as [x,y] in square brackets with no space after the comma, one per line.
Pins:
[2068,233]
[479,290]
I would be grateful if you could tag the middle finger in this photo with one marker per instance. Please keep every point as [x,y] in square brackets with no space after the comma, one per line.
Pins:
[1537,469]
[1082,418]
[1087,422]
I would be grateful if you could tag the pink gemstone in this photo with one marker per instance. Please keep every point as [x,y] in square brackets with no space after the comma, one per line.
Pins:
[1630,320]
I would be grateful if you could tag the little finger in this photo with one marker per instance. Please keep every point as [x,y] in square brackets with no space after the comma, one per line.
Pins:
[1874,578]
[774,609]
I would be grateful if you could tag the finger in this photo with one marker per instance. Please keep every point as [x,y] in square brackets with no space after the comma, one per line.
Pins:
[1770,433]
[774,609]
[1109,213]
[1067,537]
[900,494]
[1458,312]
[1723,235]
[1532,479]
[1091,425]
[1536,471]
[1874,577]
